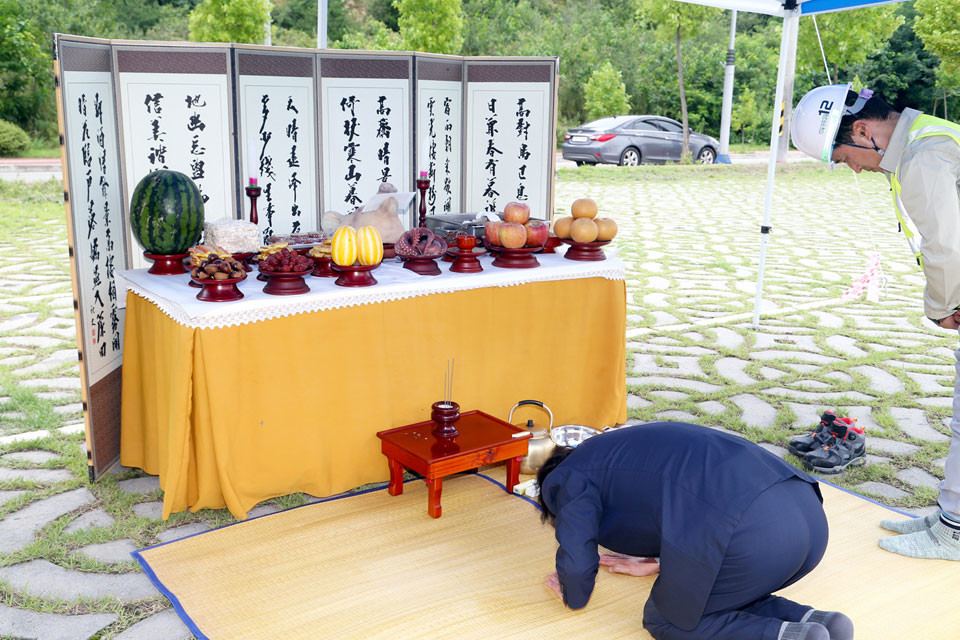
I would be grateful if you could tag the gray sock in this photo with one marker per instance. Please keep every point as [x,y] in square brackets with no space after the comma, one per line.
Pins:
[839,626]
[941,541]
[911,525]
[803,631]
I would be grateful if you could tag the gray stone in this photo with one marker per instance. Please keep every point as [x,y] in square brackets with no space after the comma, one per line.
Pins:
[872,459]
[152,510]
[827,319]
[55,395]
[53,383]
[940,462]
[917,477]
[17,529]
[656,282]
[7,496]
[754,411]
[801,356]
[936,401]
[46,580]
[811,384]
[801,368]
[893,447]
[733,369]
[839,376]
[914,423]
[35,457]
[670,348]
[18,321]
[166,625]
[815,396]
[45,476]
[140,486]
[864,418]
[657,299]
[769,373]
[766,341]
[54,360]
[676,383]
[727,338]
[31,341]
[661,318]
[68,409]
[636,402]
[263,510]
[932,384]
[882,490]
[110,552]
[675,365]
[177,533]
[712,407]
[13,361]
[920,512]
[676,416]
[845,345]
[90,520]
[19,624]
[670,395]
[880,380]
[780,452]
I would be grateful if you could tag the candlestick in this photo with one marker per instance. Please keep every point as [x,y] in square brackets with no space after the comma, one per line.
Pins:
[253,192]
[423,184]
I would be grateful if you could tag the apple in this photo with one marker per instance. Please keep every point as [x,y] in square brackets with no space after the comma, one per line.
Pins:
[512,235]
[537,233]
[518,212]
[492,231]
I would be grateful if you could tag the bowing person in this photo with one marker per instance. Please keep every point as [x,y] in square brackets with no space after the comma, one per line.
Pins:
[729,522]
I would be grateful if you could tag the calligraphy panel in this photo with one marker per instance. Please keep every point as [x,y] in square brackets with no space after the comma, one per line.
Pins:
[440,132]
[509,136]
[176,110]
[366,128]
[277,101]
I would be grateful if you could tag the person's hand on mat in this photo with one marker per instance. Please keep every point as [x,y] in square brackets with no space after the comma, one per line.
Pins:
[629,565]
[553,583]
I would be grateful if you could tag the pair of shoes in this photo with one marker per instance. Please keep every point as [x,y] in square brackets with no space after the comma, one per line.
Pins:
[814,440]
[833,446]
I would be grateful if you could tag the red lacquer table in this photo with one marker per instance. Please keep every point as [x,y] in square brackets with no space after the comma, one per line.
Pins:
[483,440]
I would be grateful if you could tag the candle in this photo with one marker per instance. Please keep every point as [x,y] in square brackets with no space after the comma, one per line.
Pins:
[253,161]
[253,182]
[423,175]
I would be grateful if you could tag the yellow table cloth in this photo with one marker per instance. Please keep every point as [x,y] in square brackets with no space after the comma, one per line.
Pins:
[236,415]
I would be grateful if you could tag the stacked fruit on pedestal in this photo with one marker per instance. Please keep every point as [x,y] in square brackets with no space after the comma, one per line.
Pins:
[270,249]
[286,261]
[583,225]
[202,252]
[322,250]
[517,229]
[215,267]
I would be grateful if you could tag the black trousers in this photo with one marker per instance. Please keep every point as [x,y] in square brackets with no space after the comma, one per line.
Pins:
[781,538]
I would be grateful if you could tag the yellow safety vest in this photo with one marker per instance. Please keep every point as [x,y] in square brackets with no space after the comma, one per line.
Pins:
[923,127]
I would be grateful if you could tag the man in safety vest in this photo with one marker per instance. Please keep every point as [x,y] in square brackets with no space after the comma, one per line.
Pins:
[920,155]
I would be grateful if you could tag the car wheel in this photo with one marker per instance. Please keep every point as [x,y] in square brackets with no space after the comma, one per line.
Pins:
[707,156]
[580,163]
[630,157]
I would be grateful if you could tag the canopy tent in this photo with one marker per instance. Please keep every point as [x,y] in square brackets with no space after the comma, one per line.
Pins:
[790,11]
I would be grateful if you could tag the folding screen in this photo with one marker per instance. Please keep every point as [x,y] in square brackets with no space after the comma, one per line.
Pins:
[440,130]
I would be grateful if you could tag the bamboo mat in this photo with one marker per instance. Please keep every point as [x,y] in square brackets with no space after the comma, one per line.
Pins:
[375,566]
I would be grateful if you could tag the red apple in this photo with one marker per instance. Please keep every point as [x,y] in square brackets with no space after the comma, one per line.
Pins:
[537,232]
[518,212]
[512,235]
[491,230]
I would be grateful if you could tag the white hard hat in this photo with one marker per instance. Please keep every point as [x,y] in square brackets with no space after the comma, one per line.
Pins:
[817,117]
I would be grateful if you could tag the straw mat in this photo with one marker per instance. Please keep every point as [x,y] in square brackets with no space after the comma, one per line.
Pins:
[375,566]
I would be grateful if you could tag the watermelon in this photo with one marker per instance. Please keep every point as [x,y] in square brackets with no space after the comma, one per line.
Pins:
[166,213]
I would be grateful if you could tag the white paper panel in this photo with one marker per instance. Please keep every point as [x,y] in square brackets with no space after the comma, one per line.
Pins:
[97,215]
[366,139]
[278,142]
[440,142]
[179,122]
[508,145]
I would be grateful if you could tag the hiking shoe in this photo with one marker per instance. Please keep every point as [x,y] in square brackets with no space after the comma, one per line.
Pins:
[846,446]
[803,445]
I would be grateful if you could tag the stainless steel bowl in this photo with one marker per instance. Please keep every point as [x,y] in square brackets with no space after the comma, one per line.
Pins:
[571,435]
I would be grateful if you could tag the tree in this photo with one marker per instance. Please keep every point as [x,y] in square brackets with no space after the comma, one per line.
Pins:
[674,20]
[301,15]
[230,21]
[24,66]
[605,93]
[372,35]
[849,37]
[435,26]
[936,25]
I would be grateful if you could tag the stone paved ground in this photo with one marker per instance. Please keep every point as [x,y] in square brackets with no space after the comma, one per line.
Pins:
[689,236]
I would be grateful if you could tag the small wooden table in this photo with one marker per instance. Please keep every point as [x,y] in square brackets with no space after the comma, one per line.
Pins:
[483,440]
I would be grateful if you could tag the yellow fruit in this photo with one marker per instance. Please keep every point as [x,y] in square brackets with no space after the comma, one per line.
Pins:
[345,246]
[369,245]
[584,230]
[561,228]
[584,208]
[606,229]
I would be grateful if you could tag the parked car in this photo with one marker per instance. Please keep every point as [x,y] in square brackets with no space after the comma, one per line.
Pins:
[633,140]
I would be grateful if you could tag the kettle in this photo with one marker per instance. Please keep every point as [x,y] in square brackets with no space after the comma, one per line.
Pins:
[541,445]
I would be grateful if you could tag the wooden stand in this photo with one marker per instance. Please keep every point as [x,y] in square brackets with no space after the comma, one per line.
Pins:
[356,275]
[423,184]
[285,283]
[421,265]
[522,258]
[166,265]
[466,261]
[218,290]
[586,251]
[253,193]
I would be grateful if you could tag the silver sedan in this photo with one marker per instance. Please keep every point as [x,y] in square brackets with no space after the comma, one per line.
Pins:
[633,140]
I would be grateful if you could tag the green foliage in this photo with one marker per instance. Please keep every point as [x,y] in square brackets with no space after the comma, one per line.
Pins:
[384,11]
[937,26]
[13,139]
[434,26]
[242,21]
[748,117]
[25,66]
[296,20]
[372,35]
[849,37]
[605,93]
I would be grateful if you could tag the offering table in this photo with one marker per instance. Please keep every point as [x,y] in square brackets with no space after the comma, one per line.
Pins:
[238,402]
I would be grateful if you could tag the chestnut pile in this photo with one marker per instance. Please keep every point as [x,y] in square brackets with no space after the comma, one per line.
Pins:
[216,268]
[286,261]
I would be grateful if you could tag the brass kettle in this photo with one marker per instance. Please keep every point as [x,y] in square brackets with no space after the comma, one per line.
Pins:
[541,445]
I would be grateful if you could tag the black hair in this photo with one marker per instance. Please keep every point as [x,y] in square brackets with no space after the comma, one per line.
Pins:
[873,109]
[558,456]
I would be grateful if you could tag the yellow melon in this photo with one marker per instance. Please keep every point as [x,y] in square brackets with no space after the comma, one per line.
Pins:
[369,245]
[345,246]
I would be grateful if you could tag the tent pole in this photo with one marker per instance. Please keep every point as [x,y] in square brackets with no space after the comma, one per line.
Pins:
[790,21]
[724,155]
[321,24]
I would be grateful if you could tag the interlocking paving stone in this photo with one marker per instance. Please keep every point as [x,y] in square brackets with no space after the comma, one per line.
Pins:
[880,380]
[13,361]
[846,346]
[31,341]
[635,402]
[917,477]
[727,338]
[892,447]
[780,452]
[929,383]
[670,395]
[669,348]
[6,496]
[263,510]
[140,486]
[52,361]
[811,384]
[872,459]
[914,423]
[944,401]
[53,383]
[176,533]
[47,580]
[35,457]
[90,520]
[712,407]
[827,320]
[940,462]
[733,369]
[19,321]
[166,625]
[20,624]
[815,395]
[677,383]
[674,365]
[754,411]
[152,510]
[802,356]
[677,416]
[112,552]
[55,395]
[882,489]
[765,340]
[45,476]
[839,376]
[17,528]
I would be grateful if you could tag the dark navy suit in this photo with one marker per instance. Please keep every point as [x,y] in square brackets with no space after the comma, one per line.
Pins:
[730,522]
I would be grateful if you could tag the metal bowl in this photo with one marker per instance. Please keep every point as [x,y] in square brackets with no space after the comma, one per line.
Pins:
[571,435]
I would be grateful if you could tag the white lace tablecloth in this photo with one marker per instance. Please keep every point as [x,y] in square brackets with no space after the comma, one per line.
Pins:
[173,296]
